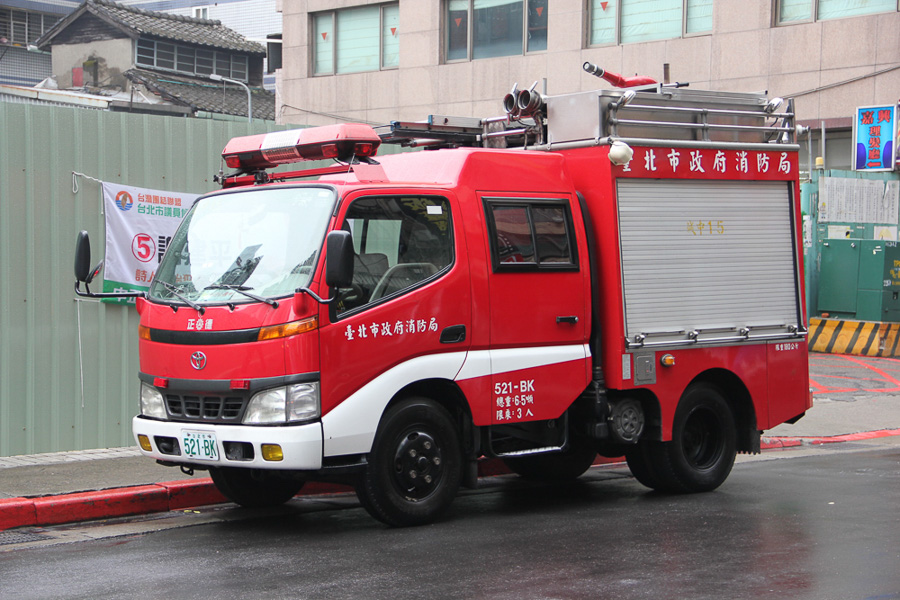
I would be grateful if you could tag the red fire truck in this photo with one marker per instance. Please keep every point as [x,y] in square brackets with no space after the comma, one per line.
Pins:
[613,272]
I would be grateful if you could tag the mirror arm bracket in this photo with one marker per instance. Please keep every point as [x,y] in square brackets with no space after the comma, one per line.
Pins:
[87,293]
[315,296]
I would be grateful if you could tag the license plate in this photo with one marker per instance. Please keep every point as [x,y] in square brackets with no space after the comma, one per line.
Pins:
[200,445]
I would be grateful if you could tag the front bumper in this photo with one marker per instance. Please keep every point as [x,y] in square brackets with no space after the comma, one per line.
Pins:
[301,445]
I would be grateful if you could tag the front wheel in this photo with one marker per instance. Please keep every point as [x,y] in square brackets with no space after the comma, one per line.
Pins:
[701,454]
[254,488]
[415,467]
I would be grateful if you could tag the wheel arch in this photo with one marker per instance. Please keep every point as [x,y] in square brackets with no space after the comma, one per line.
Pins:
[448,394]
[741,402]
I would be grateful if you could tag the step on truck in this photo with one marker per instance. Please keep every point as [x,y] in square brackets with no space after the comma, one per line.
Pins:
[614,272]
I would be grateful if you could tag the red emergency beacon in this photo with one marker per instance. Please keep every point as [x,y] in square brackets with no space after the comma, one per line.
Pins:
[342,142]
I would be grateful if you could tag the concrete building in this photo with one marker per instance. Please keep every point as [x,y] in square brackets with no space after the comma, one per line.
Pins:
[363,60]
[22,22]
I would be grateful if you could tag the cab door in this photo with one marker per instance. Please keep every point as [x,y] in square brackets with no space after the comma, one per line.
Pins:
[406,318]
[538,291]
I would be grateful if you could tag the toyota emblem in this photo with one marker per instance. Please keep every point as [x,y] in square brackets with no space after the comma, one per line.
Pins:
[198,360]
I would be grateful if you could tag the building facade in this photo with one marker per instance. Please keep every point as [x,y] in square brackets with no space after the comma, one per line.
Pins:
[254,19]
[113,50]
[22,22]
[364,60]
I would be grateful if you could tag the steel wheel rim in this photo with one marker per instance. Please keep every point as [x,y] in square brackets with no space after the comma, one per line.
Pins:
[418,465]
[702,441]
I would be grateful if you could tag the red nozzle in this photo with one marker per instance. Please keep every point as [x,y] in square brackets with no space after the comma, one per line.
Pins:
[616,79]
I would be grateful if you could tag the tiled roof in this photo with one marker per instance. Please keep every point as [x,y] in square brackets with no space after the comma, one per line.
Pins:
[137,22]
[213,97]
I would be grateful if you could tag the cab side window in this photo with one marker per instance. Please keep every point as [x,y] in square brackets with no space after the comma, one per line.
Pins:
[530,235]
[400,242]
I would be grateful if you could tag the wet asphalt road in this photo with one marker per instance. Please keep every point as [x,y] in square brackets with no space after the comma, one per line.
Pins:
[825,526]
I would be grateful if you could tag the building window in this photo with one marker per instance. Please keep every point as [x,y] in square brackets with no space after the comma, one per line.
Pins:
[488,28]
[200,12]
[157,54]
[354,40]
[804,11]
[627,21]
[21,27]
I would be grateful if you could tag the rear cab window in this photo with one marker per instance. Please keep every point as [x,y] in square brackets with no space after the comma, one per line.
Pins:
[530,234]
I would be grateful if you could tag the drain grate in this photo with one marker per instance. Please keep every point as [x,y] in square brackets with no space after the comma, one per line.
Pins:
[19,537]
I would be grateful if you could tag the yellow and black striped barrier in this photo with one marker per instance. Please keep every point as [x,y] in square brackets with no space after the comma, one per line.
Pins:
[861,338]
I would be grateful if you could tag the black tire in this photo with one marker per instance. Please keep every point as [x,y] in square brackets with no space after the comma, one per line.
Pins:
[415,466]
[557,466]
[704,443]
[254,488]
[640,461]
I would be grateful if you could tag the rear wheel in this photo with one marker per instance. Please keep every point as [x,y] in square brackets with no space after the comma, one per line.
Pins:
[558,466]
[640,461]
[415,467]
[254,488]
[701,454]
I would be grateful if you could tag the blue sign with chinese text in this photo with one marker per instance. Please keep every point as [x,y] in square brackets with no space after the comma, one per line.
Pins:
[875,138]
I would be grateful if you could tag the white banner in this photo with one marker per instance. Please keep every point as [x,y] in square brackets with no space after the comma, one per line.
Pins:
[847,200]
[139,226]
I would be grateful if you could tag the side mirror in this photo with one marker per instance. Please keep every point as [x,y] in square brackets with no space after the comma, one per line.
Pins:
[83,271]
[339,259]
[82,257]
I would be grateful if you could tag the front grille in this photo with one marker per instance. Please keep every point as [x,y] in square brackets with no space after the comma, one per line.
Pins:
[214,409]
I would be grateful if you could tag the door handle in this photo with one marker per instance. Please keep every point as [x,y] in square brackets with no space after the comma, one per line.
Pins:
[572,319]
[453,334]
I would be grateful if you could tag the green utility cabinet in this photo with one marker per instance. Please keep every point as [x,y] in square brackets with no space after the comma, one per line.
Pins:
[859,279]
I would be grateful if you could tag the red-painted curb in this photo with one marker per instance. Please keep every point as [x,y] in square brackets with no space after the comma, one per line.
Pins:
[85,506]
[769,443]
[188,493]
[16,512]
[778,443]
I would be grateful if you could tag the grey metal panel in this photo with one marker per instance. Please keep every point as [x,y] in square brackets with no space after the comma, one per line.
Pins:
[41,404]
[705,255]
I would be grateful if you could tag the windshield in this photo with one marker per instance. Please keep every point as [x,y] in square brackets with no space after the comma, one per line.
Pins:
[240,246]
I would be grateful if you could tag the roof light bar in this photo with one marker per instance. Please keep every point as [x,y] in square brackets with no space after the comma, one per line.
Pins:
[342,142]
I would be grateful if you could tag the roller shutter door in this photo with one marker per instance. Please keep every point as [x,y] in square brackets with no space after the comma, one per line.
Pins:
[715,257]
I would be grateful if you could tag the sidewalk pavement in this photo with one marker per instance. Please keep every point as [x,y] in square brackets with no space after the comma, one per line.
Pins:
[855,398]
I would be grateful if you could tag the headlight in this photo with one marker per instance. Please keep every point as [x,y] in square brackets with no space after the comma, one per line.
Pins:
[152,403]
[291,404]
[303,402]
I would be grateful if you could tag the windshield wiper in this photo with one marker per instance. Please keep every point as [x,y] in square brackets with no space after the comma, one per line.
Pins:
[242,289]
[177,292]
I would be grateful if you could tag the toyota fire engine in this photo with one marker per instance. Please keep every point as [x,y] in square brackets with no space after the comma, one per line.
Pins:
[614,272]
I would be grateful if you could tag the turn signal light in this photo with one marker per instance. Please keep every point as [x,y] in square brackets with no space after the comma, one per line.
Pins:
[144,441]
[667,360]
[272,452]
[144,333]
[288,329]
